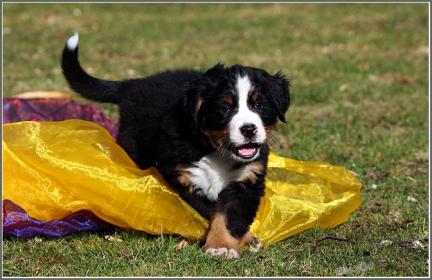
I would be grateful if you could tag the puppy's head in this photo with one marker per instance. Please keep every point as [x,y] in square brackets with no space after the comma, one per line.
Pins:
[237,107]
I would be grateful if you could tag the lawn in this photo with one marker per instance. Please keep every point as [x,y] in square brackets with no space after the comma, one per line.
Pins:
[360,99]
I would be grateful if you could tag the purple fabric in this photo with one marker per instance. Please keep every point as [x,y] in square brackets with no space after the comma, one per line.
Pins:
[16,110]
[16,222]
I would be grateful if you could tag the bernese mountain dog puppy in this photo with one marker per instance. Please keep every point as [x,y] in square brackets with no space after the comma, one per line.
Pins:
[205,132]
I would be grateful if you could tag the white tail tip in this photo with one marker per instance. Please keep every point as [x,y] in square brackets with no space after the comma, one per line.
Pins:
[72,42]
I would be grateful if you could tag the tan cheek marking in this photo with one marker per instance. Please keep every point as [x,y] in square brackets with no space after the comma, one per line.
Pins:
[217,136]
[219,236]
[255,96]
[269,128]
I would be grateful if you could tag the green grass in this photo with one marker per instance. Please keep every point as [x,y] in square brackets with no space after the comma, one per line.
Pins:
[360,99]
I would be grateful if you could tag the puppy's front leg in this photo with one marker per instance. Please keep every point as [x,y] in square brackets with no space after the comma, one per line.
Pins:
[235,210]
[219,240]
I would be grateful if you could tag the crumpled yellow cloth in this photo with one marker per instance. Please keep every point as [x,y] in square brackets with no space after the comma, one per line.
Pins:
[52,169]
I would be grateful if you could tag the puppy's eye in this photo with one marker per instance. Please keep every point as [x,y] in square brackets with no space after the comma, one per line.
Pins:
[226,109]
[258,106]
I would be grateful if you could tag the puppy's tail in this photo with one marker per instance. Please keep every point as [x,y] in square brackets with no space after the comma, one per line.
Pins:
[83,83]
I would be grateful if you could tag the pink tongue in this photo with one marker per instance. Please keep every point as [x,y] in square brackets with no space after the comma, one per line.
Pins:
[246,151]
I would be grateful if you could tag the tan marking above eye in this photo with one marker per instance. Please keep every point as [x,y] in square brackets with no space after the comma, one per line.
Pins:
[229,99]
[255,95]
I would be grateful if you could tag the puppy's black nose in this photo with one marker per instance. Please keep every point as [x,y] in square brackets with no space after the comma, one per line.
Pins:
[248,130]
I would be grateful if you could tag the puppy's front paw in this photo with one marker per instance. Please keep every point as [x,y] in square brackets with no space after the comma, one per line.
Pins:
[229,253]
[255,245]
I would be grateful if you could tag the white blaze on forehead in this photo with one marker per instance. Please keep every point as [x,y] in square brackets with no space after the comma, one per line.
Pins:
[243,87]
[245,115]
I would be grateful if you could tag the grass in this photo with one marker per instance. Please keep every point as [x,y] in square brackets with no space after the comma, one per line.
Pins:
[360,99]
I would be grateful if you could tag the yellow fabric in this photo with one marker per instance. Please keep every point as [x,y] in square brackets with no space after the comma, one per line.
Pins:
[52,169]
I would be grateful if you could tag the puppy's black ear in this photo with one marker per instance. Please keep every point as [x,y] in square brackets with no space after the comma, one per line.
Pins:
[197,90]
[193,100]
[215,72]
[278,87]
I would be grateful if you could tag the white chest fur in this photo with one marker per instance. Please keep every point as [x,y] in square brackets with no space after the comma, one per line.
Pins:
[211,174]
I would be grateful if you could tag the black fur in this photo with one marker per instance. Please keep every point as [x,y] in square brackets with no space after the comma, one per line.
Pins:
[240,201]
[164,117]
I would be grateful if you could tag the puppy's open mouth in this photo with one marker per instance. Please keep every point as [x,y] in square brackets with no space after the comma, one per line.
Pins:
[247,151]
